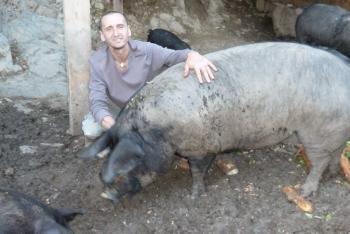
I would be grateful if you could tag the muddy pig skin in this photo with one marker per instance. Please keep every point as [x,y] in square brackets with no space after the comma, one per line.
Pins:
[263,93]
[20,213]
[325,25]
[166,39]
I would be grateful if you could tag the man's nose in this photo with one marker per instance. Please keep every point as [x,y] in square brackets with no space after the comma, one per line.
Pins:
[115,32]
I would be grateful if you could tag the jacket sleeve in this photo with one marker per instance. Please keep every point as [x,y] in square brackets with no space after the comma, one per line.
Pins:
[166,57]
[98,94]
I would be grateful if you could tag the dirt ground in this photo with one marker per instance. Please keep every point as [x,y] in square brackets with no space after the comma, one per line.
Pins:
[38,157]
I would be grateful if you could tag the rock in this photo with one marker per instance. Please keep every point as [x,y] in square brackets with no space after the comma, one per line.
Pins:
[34,164]
[40,43]
[10,136]
[6,64]
[30,26]
[284,18]
[22,108]
[55,145]
[166,17]
[9,171]
[27,149]
[176,28]
[44,119]
[265,6]
[260,5]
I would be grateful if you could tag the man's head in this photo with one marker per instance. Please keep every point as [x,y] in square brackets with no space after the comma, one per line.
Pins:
[114,29]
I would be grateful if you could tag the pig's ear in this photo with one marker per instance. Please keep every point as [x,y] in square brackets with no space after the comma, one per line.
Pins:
[129,151]
[132,148]
[124,158]
[100,144]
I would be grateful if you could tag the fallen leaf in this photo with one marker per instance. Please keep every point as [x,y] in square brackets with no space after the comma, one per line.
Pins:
[183,164]
[301,156]
[328,217]
[302,203]
[227,166]
[345,164]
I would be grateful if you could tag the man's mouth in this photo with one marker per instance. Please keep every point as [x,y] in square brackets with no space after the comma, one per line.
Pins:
[117,39]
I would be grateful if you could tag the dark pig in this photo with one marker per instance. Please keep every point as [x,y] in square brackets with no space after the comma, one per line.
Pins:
[325,25]
[166,39]
[20,213]
[264,93]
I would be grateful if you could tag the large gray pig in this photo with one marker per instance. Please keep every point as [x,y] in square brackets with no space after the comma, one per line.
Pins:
[325,25]
[263,94]
[21,213]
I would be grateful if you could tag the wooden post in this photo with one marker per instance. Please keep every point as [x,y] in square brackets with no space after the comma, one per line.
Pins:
[78,49]
[118,5]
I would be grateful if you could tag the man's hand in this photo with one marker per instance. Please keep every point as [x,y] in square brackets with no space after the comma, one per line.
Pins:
[201,65]
[107,122]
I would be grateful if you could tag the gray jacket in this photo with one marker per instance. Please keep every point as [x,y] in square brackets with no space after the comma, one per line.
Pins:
[106,82]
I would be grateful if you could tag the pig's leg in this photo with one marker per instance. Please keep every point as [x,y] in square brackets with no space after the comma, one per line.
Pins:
[320,152]
[99,145]
[319,161]
[199,168]
[321,146]
[334,164]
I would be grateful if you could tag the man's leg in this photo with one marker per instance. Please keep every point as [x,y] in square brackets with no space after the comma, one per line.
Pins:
[91,129]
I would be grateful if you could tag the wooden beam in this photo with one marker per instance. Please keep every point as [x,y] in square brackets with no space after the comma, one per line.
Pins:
[118,5]
[78,48]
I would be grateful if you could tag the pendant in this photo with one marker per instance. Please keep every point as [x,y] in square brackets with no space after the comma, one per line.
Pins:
[122,65]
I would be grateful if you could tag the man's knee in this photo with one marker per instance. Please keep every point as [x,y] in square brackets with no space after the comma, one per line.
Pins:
[91,128]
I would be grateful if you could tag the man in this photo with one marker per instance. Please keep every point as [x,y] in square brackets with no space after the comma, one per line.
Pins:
[120,69]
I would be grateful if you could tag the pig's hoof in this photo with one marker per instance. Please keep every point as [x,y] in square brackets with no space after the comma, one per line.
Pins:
[196,196]
[104,153]
[110,195]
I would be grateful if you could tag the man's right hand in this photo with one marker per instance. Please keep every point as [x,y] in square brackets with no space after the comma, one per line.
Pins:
[107,122]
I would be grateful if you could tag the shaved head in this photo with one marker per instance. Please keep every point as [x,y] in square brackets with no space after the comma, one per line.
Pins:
[111,13]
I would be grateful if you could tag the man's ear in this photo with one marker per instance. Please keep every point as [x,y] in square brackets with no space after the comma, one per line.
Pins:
[102,36]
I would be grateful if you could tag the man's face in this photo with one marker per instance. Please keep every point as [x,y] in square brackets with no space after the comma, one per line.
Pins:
[115,31]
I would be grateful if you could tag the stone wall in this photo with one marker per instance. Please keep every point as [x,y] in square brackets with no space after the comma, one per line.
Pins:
[35,62]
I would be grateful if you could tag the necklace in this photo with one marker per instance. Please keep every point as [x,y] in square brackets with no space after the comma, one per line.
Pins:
[121,58]
[122,65]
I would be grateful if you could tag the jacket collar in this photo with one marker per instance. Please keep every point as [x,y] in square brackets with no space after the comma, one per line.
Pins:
[136,51]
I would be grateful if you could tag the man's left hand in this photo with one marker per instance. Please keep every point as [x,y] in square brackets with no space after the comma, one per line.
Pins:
[201,65]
